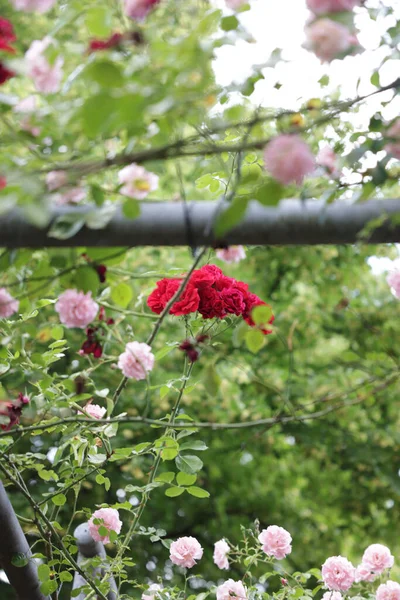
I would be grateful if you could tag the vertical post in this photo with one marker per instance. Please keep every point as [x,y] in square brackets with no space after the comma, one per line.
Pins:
[88,548]
[14,549]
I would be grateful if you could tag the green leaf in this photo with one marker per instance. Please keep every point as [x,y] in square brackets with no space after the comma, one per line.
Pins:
[255,340]
[131,209]
[66,226]
[230,217]
[98,21]
[49,586]
[57,332]
[105,74]
[169,453]
[375,79]
[19,559]
[97,114]
[189,463]
[97,194]
[229,23]
[87,280]
[65,576]
[43,572]
[59,500]
[122,294]
[163,352]
[269,193]
[174,491]
[194,445]
[166,477]
[212,380]
[261,315]
[185,479]
[198,492]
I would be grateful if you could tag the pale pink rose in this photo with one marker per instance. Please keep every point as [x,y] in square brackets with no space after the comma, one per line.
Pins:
[394,132]
[332,596]
[185,551]
[276,541]
[327,158]
[95,411]
[328,39]
[288,159]
[338,573]
[76,309]
[388,591]
[378,558]
[320,7]
[71,196]
[27,106]
[231,590]
[40,6]
[136,361]
[56,179]
[393,279]
[232,254]
[235,4]
[8,305]
[110,520]
[46,77]
[221,551]
[138,182]
[139,9]
[152,592]
[364,573]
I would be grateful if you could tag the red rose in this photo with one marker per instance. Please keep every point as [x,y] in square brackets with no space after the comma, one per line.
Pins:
[111,42]
[166,288]
[234,300]
[211,304]
[5,73]
[188,302]
[6,36]
[206,276]
[251,301]
[3,182]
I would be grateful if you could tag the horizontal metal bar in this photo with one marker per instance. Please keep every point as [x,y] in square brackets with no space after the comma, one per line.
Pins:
[292,222]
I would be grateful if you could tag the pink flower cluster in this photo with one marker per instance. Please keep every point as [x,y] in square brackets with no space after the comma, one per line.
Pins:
[329,39]
[94,410]
[136,361]
[231,254]
[338,573]
[221,551]
[8,304]
[288,159]
[152,592]
[40,6]
[109,519]
[376,559]
[321,7]
[28,108]
[235,4]
[76,309]
[276,541]
[46,76]
[139,9]
[138,182]
[327,159]
[393,278]
[185,551]
[388,591]
[231,590]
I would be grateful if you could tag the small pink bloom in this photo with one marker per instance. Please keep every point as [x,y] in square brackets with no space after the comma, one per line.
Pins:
[221,551]
[284,581]
[40,6]
[388,591]
[394,146]
[8,305]
[327,158]
[288,159]
[232,254]
[56,179]
[26,106]
[139,9]
[235,4]
[76,309]
[95,411]
[138,182]
[71,196]
[378,558]
[46,77]
[393,278]
[152,592]
[332,596]
[136,361]
[185,551]
[110,520]
[364,573]
[328,39]
[338,573]
[320,7]
[276,541]
[231,590]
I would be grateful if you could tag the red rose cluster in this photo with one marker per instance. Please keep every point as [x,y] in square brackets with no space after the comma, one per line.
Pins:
[92,345]
[7,36]
[210,293]
[13,411]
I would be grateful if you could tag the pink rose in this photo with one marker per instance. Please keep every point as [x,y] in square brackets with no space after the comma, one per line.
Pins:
[328,39]
[364,573]
[136,361]
[288,159]
[138,182]
[388,591]
[185,551]
[46,77]
[276,541]
[76,309]
[8,304]
[394,132]
[332,596]
[56,179]
[338,573]
[393,279]
[139,9]
[378,558]
[221,551]
[95,411]
[327,158]
[232,254]
[231,590]
[152,592]
[27,106]
[235,4]
[320,7]
[40,6]
[71,196]
[110,520]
